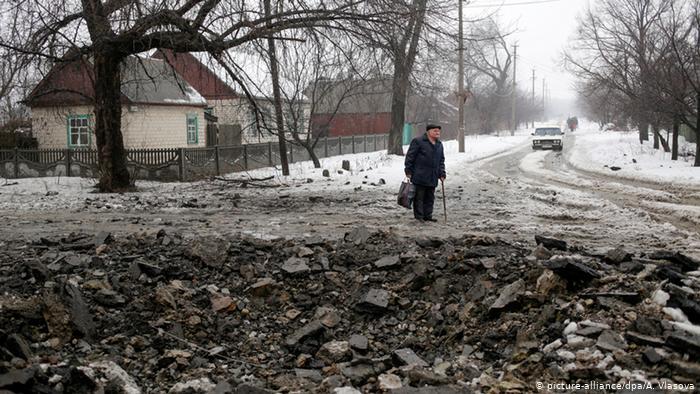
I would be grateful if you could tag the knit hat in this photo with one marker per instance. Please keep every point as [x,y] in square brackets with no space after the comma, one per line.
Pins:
[432,126]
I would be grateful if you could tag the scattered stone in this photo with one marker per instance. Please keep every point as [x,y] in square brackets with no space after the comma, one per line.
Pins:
[387,262]
[310,329]
[686,263]
[611,341]
[346,390]
[359,342]
[110,298]
[334,351]
[357,374]
[406,356]
[211,251]
[295,265]
[552,346]
[375,300]
[326,173]
[305,252]
[102,238]
[617,256]
[328,316]
[570,328]
[550,243]
[572,270]
[18,346]
[220,304]
[202,385]
[429,242]
[651,356]
[311,374]
[684,344]
[642,339]
[541,253]
[358,236]
[346,165]
[689,369]
[389,381]
[263,287]
[509,296]
[589,331]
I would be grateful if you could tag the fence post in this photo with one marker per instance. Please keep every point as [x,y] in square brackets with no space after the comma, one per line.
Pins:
[375,143]
[291,153]
[269,153]
[16,163]
[216,157]
[364,137]
[353,143]
[245,157]
[325,148]
[340,145]
[68,160]
[181,167]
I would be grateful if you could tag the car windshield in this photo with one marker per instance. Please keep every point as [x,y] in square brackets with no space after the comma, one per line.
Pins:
[548,131]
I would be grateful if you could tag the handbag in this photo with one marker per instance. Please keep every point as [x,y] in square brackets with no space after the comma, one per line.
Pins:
[407,191]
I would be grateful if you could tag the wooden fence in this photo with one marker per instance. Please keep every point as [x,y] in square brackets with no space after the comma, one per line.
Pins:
[183,164]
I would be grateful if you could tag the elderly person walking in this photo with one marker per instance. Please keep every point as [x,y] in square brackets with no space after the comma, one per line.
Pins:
[424,165]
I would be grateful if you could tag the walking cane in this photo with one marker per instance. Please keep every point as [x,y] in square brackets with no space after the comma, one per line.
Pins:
[444,204]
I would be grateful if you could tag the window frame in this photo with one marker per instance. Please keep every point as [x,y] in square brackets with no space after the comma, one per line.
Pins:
[195,140]
[69,128]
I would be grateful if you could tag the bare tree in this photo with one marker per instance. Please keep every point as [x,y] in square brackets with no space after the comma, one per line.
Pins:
[397,39]
[109,31]
[679,76]
[490,60]
[618,47]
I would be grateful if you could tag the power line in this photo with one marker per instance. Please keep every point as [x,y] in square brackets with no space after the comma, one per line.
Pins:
[511,4]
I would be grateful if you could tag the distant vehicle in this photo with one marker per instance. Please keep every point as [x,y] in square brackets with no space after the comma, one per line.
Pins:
[547,138]
[608,127]
[572,123]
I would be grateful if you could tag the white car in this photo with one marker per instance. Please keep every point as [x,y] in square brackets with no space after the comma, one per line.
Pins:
[548,138]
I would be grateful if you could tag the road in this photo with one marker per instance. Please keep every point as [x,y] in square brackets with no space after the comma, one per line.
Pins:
[514,195]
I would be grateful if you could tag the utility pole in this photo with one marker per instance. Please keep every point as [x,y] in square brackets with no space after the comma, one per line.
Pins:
[512,114]
[543,113]
[533,98]
[460,70]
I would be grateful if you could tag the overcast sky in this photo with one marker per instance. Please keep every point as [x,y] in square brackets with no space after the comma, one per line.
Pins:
[543,28]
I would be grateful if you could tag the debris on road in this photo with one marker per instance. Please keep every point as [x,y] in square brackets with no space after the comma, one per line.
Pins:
[370,312]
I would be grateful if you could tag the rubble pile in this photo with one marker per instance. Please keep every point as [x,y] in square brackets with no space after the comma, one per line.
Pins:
[371,312]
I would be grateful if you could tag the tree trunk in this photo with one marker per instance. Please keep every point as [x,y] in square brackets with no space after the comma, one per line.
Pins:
[279,115]
[676,127]
[658,138]
[697,129]
[643,131]
[114,175]
[314,158]
[398,107]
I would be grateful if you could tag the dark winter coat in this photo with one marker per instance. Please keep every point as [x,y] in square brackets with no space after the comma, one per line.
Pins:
[425,162]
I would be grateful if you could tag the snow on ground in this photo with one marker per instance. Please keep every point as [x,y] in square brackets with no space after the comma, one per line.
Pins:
[594,150]
[71,192]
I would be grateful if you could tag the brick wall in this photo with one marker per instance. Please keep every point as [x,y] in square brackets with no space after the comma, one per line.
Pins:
[353,124]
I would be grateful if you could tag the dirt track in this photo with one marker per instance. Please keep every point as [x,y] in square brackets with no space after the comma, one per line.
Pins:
[494,196]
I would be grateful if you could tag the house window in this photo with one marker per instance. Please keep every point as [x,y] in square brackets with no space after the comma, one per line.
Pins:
[78,131]
[192,129]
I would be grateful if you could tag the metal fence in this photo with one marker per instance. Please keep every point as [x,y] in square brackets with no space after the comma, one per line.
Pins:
[183,164]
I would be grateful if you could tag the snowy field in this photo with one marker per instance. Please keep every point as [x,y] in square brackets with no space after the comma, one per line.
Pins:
[67,193]
[599,151]
[592,151]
